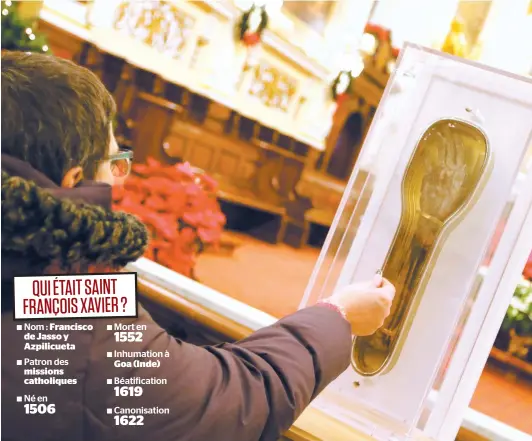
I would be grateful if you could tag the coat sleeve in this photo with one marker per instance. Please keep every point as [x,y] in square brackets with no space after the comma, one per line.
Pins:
[250,390]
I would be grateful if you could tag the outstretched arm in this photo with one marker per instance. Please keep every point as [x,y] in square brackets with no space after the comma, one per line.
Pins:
[250,390]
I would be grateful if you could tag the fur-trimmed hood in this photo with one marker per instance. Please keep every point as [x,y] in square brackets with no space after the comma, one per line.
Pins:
[44,225]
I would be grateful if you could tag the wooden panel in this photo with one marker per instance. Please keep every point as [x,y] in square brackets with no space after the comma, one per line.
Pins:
[268,177]
[224,157]
[151,124]
[111,71]
[124,93]
[289,176]
[248,168]
[227,163]
[325,194]
[219,111]
[62,44]
[201,155]
[217,117]
[175,146]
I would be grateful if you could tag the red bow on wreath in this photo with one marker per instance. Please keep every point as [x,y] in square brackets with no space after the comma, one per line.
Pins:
[340,99]
[251,39]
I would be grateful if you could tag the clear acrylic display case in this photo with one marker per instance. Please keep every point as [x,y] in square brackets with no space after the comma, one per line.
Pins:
[445,169]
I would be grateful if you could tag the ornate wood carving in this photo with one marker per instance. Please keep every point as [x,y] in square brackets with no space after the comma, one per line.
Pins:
[273,87]
[157,24]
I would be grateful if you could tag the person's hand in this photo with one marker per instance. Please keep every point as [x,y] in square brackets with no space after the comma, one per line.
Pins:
[366,304]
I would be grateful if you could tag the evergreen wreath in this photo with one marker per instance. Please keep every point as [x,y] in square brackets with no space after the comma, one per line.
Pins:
[334,92]
[248,37]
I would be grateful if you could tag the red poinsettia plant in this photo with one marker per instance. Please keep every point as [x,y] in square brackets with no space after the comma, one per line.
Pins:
[178,205]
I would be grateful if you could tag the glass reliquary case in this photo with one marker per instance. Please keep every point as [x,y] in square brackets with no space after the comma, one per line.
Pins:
[446,162]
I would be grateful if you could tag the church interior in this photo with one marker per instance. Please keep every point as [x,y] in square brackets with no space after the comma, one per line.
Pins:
[267,104]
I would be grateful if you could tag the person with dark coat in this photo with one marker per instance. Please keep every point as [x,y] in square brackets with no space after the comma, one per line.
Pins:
[58,158]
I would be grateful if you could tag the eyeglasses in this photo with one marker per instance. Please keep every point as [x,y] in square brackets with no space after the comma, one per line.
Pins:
[121,163]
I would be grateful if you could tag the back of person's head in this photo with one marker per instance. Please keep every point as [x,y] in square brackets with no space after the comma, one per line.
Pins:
[56,122]
[56,115]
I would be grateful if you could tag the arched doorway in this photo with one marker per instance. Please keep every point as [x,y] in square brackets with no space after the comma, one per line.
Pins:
[347,147]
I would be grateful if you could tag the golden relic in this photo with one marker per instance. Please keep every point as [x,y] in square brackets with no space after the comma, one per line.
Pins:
[445,171]
[440,174]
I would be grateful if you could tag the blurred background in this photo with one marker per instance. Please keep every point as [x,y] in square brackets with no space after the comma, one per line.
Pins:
[246,118]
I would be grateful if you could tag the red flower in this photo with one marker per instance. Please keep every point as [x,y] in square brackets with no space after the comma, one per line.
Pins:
[186,169]
[209,184]
[161,244]
[145,170]
[165,225]
[208,235]
[187,236]
[130,203]
[156,203]
[178,206]
[134,184]
[176,203]
[157,185]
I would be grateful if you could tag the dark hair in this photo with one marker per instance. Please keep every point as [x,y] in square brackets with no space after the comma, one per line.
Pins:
[55,114]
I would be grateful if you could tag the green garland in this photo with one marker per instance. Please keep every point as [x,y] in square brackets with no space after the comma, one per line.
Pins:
[17,33]
[244,23]
[335,93]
